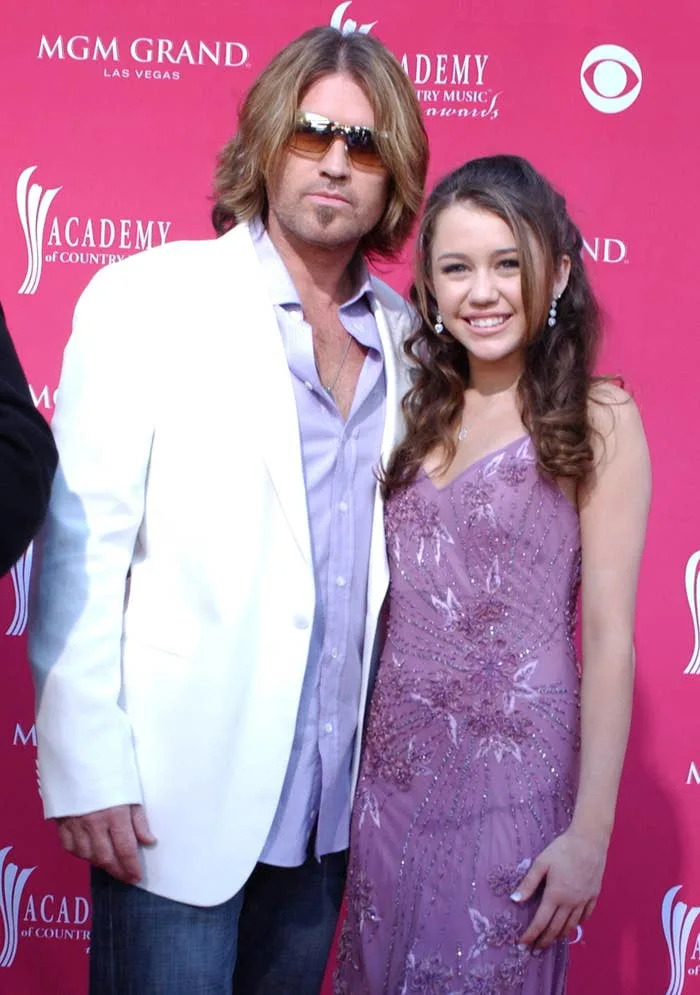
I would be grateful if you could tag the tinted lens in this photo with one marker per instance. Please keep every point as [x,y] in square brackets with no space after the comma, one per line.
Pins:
[361,147]
[314,139]
[310,139]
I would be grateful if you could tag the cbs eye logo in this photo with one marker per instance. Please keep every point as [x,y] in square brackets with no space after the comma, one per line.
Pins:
[611,78]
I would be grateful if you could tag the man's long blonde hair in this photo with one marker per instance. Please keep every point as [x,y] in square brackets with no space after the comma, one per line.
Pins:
[249,160]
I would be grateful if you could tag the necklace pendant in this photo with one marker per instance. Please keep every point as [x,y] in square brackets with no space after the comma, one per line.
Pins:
[463,433]
[329,388]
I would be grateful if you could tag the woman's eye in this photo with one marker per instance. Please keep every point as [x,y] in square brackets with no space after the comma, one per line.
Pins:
[453,268]
[512,263]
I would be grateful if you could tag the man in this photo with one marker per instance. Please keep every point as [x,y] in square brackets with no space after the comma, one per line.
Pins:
[27,457]
[214,561]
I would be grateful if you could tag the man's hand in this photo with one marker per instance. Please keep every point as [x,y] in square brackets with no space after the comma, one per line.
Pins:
[109,839]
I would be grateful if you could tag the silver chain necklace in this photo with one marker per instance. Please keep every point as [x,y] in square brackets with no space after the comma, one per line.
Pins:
[466,429]
[329,388]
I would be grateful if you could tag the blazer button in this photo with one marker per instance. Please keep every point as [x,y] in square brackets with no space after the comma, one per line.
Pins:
[301,622]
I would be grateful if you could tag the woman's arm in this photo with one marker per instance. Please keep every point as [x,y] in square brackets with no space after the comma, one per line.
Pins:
[613,508]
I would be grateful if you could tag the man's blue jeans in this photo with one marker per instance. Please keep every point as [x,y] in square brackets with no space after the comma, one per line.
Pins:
[272,938]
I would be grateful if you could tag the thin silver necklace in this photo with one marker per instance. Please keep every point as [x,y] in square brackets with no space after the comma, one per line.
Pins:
[466,429]
[329,388]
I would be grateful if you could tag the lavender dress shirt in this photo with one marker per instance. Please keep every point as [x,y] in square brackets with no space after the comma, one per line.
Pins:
[339,458]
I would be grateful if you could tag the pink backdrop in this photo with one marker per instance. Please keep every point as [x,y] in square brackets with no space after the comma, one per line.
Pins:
[112,117]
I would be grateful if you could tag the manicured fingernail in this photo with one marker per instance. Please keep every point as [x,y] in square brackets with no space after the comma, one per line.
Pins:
[522,947]
[537,952]
[516,897]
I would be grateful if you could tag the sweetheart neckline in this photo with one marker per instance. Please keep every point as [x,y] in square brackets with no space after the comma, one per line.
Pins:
[476,462]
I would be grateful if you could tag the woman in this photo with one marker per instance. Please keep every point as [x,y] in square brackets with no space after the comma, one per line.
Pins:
[490,775]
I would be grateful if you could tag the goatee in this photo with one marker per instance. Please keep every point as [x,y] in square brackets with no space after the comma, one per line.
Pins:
[325,214]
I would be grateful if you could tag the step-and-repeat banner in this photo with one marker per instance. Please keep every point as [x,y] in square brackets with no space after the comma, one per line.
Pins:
[112,116]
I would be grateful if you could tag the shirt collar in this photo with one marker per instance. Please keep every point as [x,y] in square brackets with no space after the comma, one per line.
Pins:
[278,281]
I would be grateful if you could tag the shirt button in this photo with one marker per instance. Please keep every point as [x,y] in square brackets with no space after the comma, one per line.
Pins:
[328,727]
[300,622]
[340,581]
[334,653]
[343,506]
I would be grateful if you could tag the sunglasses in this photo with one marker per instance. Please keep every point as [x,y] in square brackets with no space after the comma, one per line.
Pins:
[314,134]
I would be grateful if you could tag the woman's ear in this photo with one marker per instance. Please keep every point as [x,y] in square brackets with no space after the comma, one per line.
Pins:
[561,278]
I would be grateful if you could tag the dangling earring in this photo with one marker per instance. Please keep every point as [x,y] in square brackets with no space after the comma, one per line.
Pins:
[552,319]
[438,326]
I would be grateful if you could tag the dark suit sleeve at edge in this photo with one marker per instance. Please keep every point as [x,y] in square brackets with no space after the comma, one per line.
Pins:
[27,457]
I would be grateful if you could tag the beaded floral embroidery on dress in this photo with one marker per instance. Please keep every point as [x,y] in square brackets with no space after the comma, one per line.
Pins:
[470,762]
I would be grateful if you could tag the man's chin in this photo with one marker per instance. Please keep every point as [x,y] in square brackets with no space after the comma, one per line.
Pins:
[331,236]
[326,215]
[324,228]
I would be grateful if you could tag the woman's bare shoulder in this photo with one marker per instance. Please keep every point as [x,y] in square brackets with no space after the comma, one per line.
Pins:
[612,409]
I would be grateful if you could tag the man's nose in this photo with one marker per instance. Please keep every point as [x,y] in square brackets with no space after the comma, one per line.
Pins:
[336,161]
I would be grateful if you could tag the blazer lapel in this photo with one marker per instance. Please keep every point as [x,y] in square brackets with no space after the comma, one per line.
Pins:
[390,371]
[273,412]
[378,577]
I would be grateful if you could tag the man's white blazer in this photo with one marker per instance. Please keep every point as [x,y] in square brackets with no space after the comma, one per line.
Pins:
[175,591]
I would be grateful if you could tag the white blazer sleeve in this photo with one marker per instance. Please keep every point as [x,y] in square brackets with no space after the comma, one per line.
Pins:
[103,425]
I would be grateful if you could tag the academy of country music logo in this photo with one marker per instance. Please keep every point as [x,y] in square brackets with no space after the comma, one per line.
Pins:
[347,26]
[611,78]
[12,883]
[28,915]
[692,592]
[20,574]
[74,239]
[147,58]
[679,925]
[448,84]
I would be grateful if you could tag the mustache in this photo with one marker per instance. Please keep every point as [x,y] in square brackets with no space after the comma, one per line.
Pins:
[332,191]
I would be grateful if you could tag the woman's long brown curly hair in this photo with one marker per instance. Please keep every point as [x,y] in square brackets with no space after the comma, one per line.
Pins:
[554,388]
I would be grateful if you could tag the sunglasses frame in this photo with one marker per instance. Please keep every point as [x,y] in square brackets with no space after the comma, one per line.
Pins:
[354,136]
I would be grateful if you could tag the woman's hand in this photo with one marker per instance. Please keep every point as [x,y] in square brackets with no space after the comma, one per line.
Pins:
[571,870]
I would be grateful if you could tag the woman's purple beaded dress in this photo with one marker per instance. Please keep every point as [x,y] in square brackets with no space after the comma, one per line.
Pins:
[470,762]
